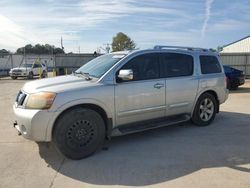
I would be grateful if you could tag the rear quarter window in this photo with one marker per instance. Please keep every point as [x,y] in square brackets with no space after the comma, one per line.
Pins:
[209,64]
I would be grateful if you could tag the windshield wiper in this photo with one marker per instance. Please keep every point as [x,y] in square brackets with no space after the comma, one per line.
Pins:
[85,74]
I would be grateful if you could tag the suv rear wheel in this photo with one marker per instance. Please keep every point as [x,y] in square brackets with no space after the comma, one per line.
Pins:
[44,74]
[205,110]
[79,133]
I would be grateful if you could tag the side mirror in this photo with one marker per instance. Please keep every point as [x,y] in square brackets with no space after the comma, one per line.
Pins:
[126,74]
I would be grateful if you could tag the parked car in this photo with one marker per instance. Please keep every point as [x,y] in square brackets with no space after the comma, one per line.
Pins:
[29,70]
[121,93]
[235,77]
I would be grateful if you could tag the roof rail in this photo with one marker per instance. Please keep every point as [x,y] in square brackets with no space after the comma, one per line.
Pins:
[159,47]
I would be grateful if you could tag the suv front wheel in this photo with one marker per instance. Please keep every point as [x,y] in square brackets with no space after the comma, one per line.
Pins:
[79,133]
[205,110]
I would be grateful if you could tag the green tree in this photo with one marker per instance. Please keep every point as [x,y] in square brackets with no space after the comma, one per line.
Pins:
[122,42]
[4,51]
[40,49]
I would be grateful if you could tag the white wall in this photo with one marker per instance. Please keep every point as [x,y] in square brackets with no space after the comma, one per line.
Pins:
[242,46]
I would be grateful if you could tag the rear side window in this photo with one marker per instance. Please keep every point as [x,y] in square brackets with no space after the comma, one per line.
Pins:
[177,65]
[209,65]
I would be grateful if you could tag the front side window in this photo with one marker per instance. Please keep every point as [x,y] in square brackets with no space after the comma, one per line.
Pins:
[144,67]
[227,69]
[177,65]
[209,64]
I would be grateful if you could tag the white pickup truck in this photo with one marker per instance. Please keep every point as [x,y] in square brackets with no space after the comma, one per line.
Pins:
[29,70]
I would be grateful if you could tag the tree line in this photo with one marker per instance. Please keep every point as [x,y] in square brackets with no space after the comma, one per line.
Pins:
[120,42]
[39,49]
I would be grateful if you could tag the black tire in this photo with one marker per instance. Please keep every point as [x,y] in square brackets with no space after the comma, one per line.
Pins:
[44,74]
[31,75]
[234,87]
[79,133]
[205,110]
[13,77]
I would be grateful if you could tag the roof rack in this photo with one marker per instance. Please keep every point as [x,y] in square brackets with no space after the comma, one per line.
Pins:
[159,47]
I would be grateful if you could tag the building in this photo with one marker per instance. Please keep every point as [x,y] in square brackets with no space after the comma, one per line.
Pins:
[59,62]
[237,55]
[239,46]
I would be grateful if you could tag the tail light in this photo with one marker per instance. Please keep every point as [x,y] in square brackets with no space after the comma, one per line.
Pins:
[226,81]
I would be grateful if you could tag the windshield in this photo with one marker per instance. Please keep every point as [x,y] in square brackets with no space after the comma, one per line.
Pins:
[98,66]
[26,65]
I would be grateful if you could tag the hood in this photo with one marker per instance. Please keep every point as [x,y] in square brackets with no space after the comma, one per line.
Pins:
[58,84]
[21,68]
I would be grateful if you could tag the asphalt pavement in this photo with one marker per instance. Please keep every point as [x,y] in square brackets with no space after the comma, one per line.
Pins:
[176,156]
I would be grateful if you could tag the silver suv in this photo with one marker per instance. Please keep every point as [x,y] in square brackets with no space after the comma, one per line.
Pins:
[121,93]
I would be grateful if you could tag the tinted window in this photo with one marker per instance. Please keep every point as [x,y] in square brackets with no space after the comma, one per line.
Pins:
[209,65]
[144,67]
[175,65]
[37,65]
[227,69]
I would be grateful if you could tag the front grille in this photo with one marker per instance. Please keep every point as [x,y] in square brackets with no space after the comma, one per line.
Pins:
[17,71]
[20,98]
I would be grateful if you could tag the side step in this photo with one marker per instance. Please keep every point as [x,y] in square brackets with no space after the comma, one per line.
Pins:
[149,124]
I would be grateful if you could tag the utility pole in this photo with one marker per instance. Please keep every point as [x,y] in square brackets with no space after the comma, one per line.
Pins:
[106,48]
[62,43]
[24,55]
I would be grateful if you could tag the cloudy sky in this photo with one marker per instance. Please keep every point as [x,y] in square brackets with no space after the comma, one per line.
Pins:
[92,23]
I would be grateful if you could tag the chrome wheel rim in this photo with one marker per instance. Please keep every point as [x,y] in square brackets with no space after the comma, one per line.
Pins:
[206,109]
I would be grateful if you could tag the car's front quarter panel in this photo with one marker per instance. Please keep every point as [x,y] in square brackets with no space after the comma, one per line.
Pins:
[39,123]
[101,95]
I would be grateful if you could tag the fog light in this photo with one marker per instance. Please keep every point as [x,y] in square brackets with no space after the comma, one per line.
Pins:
[23,129]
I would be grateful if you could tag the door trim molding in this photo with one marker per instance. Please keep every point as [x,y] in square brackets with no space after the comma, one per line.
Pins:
[141,111]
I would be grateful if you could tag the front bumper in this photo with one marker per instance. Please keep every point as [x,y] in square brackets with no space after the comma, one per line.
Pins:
[18,74]
[241,80]
[32,124]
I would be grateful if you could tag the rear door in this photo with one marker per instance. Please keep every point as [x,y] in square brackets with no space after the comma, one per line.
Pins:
[142,98]
[181,84]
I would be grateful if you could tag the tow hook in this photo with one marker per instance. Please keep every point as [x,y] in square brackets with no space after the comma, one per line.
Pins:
[18,132]
[15,124]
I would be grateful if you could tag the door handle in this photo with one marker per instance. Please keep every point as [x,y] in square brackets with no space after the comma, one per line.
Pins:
[158,86]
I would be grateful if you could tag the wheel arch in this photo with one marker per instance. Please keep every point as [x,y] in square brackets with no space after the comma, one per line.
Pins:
[212,92]
[108,121]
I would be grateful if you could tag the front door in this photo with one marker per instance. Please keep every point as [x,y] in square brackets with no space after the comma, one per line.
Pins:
[143,97]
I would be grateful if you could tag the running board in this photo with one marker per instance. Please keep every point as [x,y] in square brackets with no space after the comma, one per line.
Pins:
[149,124]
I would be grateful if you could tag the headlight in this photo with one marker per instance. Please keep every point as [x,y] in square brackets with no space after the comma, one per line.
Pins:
[41,100]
